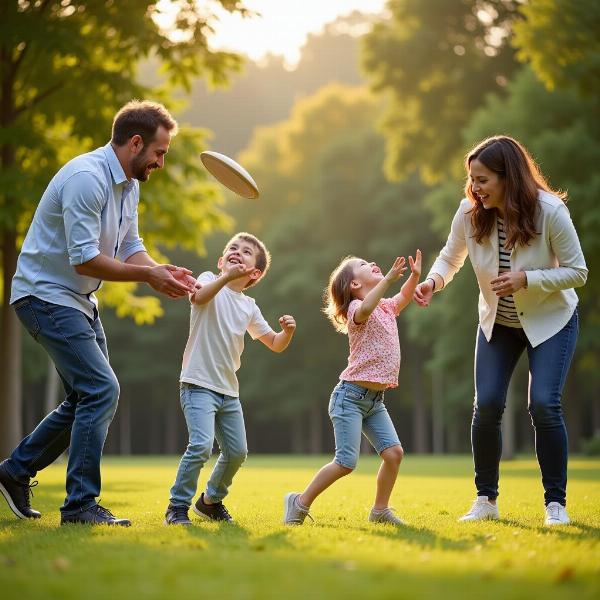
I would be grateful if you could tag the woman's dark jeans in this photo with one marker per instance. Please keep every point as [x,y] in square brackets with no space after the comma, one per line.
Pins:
[77,346]
[548,367]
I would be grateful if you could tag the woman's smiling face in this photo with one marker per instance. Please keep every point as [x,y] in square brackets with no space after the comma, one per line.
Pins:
[487,186]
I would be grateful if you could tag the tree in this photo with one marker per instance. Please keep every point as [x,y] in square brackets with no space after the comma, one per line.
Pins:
[436,60]
[65,68]
[559,38]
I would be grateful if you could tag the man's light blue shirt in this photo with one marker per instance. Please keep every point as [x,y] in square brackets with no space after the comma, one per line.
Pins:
[89,208]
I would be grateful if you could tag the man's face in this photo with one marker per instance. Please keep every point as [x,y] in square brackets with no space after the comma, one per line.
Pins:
[151,156]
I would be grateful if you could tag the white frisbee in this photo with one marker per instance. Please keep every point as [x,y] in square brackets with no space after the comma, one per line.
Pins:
[230,174]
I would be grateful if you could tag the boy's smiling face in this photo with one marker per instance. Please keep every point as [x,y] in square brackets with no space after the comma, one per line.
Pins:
[240,252]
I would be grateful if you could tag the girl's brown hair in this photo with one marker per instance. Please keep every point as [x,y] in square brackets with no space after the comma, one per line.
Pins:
[338,294]
[522,181]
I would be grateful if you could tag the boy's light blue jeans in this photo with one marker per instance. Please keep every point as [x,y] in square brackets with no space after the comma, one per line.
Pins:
[208,415]
[353,410]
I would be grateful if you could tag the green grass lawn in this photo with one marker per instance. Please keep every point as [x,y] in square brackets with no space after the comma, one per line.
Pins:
[340,555]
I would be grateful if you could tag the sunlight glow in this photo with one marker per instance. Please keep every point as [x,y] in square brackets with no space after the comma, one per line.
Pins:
[281,27]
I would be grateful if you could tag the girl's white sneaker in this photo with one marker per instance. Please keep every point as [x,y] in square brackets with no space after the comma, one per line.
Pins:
[556,514]
[293,512]
[386,515]
[482,509]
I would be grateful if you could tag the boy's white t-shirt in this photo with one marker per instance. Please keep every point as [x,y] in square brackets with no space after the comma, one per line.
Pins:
[216,340]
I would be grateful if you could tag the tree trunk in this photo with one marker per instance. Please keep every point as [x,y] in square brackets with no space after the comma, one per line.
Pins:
[52,388]
[316,428]
[419,414]
[573,415]
[365,446]
[297,436]
[11,428]
[508,419]
[172,419]
[438,411]
[124,427]
[595,429]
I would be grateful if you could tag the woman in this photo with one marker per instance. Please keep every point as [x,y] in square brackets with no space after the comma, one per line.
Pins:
[527,259]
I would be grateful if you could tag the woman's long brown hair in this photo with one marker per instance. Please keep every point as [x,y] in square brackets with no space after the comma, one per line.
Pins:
[522,181]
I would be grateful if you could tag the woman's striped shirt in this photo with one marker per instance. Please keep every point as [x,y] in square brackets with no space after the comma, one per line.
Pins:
[507,313]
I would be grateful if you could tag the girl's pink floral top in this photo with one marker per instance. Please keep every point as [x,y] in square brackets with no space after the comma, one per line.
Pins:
[374,345]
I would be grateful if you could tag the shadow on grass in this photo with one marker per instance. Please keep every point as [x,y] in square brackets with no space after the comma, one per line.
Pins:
[418,536]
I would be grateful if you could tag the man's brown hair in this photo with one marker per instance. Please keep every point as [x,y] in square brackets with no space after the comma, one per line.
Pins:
[141,118]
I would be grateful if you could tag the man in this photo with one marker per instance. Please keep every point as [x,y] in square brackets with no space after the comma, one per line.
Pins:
[84,231]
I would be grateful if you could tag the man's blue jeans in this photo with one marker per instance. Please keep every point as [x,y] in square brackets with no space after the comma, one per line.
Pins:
[548,367]
[77,346]
[209,414]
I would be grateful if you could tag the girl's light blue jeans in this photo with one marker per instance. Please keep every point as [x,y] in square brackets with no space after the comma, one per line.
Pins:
[353,410]
[209,415]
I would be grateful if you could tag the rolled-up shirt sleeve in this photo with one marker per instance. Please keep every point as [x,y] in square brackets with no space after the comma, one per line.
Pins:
[132,242]
[83,197]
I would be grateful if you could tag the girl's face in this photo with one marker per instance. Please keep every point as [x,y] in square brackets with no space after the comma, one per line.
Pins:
[366,276]
[487,186]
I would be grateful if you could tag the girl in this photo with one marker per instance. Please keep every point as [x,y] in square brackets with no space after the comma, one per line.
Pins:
[355,305]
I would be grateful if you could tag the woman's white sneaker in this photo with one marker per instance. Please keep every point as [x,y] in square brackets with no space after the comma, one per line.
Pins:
[556,514]
[482,509]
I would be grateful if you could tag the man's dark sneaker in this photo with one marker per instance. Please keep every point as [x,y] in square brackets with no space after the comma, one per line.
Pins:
[212,512]
[95,515]
[17,494]
[177,515]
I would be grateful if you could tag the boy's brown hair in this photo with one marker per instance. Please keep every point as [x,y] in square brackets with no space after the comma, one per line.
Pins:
[263,256]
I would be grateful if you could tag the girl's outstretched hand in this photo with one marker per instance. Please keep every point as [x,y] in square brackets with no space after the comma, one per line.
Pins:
[397,269]
[415,264]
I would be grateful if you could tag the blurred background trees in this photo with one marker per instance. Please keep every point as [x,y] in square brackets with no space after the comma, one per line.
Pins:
[358,150]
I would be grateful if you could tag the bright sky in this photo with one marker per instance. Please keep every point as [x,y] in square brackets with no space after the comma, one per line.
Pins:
[283,25]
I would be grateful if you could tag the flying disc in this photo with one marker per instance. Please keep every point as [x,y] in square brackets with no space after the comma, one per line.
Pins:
[230,174]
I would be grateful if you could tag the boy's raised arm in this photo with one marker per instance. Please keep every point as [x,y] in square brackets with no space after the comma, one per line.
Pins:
[205,292]
[278,342]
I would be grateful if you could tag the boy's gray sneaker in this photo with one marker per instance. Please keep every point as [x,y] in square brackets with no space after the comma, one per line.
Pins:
[211,512]
[293,513]
[386,515]
[177,515]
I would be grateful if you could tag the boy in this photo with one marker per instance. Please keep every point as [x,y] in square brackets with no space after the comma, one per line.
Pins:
[220,316]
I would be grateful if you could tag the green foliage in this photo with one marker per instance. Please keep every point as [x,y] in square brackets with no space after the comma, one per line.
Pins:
[435,60]
[559,38]
[340,556]
[66,67]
